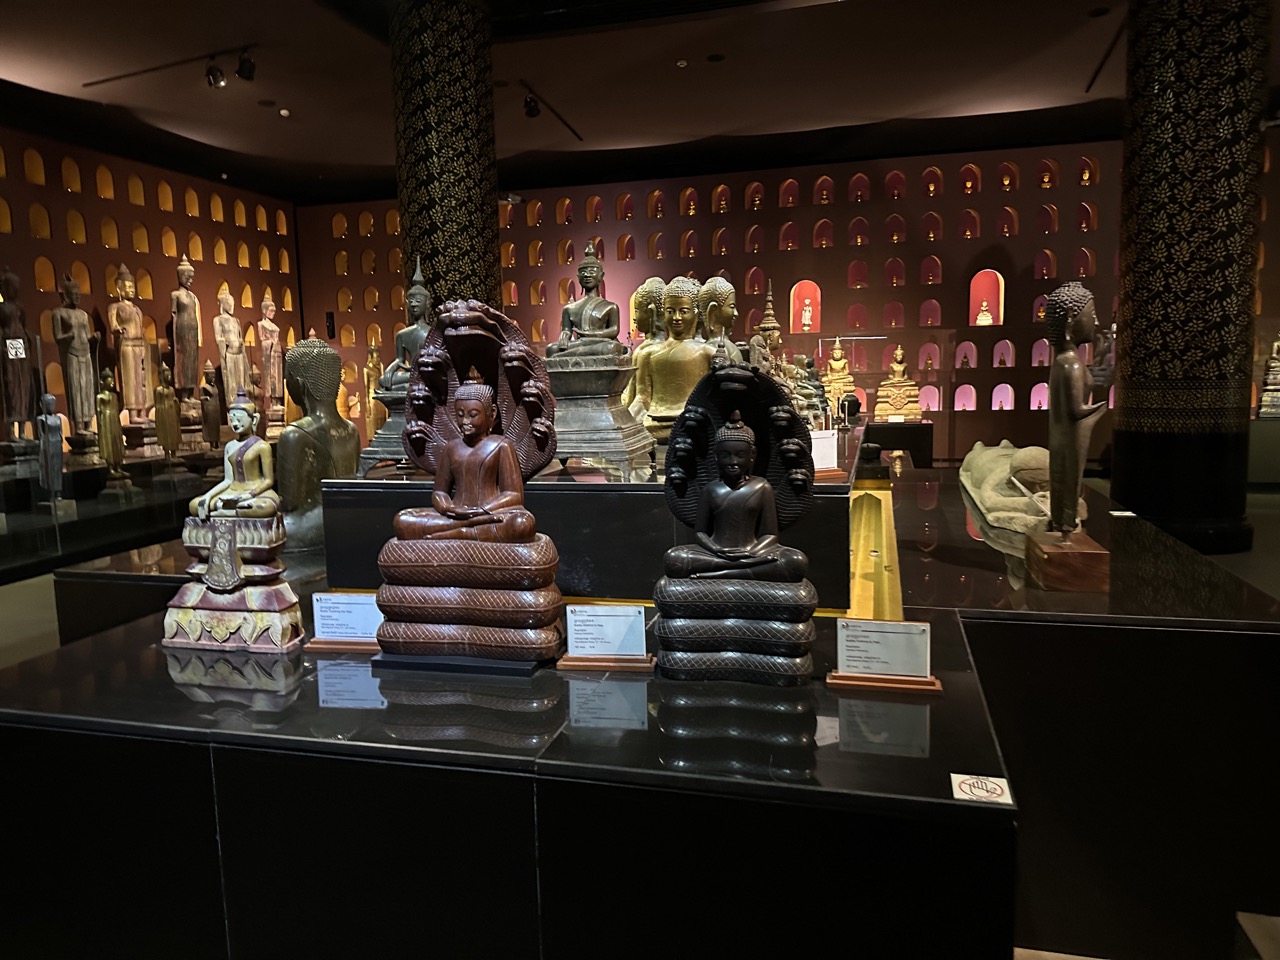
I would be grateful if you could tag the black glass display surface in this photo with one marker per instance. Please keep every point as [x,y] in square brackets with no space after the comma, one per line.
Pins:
[1155,579]
[348,774]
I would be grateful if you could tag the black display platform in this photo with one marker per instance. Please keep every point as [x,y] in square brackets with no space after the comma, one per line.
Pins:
[490,817]
[611,537]
[915,438]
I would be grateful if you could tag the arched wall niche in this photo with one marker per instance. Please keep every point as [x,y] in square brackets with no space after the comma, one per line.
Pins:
[1047,219]
[859,188]
[510,296]
[1086,218]
[191,202]
[689,243]
[38,221]
[504,215]
[626,247]
[895,273]
[931,226]
[533,213]
[986,299]
[70,175]
[537,293]
[929,358]
[1085,263]
[721,199]
[895,229]
[33,167]
[564,211]
[143,286]
[371,300]
[365,222]
[507,254]
[893,316]
[1002,354]
[246,297]
[168,242]
[859,232]
[75,227]
[688,202]
[754,281]
[623,207]
[895,185]
[1046,265]
[966,355]
[1007,222]
[282,222]
[966,398]
[930,271]
[806,307]
[855,317]
[1007,176]
[970,224]
[788,193]
[931,182]
[1087,171]
[788,236]
[6,217]
[535,253]
[970,179]
[109,233]
[339,226]
[1002,398]
[1040,396]
[344,300]
[857,275]
[141,243]
[368,262]
[720,240]
[930,314]
[657,247]
[565,252]
[1047,174]
[215,205]
[594,209]
[823,235]
[753,196]
[164,196]
[753,239]
[80,274]
[824,190]
[655,205]
[1041,353]
[930,399]
[1038,308]
[195,247]
[242,254]
[43,270]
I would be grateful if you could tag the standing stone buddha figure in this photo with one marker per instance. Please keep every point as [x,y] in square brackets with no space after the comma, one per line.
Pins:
[125,320]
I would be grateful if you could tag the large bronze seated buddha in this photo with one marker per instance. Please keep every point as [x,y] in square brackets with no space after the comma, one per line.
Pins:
[736,605]
[470,575]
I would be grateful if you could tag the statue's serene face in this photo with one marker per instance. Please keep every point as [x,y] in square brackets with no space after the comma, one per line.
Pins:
[186,278]
[239,420]
[898,355]
[125,288]
[589,276]
[474,419]
[734,458]
[837,353]
[269,311]
[680,315]
[726,314]
[1086,323]
[71,297]
[226,303]
[416,304]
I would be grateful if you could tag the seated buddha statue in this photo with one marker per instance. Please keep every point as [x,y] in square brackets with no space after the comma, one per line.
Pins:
[409,340]
[898,398]
[737,525]
[479,494]
[735,604]
[237,599]
[837,380]
[246,488]
[589,325]
[984,317]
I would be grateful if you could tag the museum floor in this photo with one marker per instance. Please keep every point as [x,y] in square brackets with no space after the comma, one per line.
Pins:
[28,611]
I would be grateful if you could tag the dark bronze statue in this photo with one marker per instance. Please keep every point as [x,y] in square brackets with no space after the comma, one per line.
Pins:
[16,360]
[736,604]
[589,325]
[1071,319]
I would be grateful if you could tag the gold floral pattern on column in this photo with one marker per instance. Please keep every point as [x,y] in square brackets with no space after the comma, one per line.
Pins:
[446,163]
[1190,215]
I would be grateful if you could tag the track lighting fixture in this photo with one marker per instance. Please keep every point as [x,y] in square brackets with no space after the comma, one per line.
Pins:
[246,68]
[531,106]
[214,75]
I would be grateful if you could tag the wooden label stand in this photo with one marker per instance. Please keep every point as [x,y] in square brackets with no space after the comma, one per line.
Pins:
[642,664]
[1078,565]
[322,645]
[890,684]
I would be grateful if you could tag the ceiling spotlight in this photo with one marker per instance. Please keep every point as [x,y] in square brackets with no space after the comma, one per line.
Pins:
[682,64]
[214,75]
[531,106]
[284,111]
[246,67]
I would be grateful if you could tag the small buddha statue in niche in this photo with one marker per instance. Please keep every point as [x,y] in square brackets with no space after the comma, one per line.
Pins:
[755,248]
[657,210]
[895,237]
[930,236]
[968,233]
[659,255]
[806,315]
[1086,179]
[1046,180]
[933,188]
[629,214]
[723,206]
[964,362]
[1040,312]
[1006,182]
[823,243]
[755,202]
[968,186]
[1084,225]
[825,198]
[984,317]
[857,197]
[1002,362]
[1001,406]
[692,210]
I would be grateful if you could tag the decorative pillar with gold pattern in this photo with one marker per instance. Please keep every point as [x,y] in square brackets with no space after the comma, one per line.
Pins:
[1188,263]
[446,164]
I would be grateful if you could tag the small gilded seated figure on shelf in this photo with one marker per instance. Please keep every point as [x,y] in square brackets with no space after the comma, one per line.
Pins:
[984,316]
[479,492]
[737,524]
[898,398]
[246,488]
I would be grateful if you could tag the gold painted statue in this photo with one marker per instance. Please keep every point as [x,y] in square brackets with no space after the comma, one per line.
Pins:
[110,434]
[984,317]
[322,444]
[168,428]
[898,399]
[375,414]
[667,374]
[836,379]
[646,316]
[237,599]
[718,304]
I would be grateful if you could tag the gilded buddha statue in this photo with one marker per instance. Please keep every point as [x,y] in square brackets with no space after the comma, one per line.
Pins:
[836,379]
[237,599]
[646,317]
[718,304]
[470,575]
[666,374]
[898,398]
[984,317]
[321,445]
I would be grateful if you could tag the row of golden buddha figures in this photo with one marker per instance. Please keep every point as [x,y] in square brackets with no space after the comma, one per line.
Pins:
[470,575]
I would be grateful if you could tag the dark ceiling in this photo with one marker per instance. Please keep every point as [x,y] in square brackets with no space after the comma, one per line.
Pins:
[764,84]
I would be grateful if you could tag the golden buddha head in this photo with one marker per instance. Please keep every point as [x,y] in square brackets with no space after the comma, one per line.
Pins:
[107,380]
[647,304]
[898,355]
[166,375]
[679,307]
[718,303]
[837,351]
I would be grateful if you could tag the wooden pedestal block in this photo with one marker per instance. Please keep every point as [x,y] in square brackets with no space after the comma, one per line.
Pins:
[1078,565]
